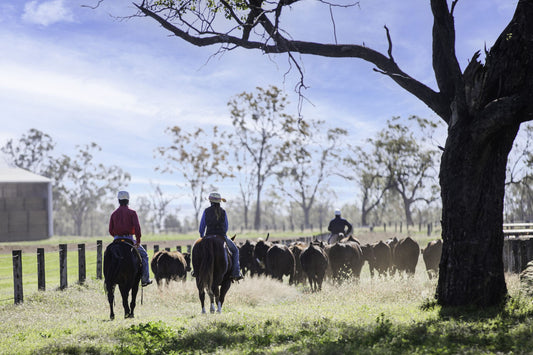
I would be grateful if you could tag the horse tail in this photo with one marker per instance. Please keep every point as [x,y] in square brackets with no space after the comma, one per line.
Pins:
[112,259]
[207,265]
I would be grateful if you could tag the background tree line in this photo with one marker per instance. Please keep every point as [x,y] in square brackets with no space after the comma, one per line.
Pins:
[285,168]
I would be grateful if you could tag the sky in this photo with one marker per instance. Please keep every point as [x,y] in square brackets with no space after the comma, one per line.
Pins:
[87,75]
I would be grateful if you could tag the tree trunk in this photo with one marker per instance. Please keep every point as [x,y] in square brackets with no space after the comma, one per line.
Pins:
[306,216]
[472,177]
[407,208]
[257,219]
[245,216]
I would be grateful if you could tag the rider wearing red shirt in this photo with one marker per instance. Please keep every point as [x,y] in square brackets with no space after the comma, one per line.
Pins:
[123,224]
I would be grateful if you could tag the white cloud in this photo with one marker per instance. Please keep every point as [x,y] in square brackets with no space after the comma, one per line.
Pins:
[47,12]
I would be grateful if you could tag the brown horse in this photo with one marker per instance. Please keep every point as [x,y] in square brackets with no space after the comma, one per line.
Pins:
[212,265]
[122,267]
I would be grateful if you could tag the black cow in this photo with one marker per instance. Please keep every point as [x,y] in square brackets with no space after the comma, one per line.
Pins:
[314,260]
[260,252]
[280,262]
[247,260]
[345,259]
[431,254]
[382,258]
[170,265]
[297,248]
[405,256]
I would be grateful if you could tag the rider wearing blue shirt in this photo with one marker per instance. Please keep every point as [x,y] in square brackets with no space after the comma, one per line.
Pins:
[214,221]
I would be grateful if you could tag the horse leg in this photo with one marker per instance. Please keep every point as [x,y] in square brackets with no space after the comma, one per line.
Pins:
[213,295]
[111,299]
[223,290]
[133,303]
[201,295]
[124,291]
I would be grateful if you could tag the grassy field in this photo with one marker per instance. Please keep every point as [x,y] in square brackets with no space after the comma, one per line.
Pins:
[372,316]
[260,316]
[29,255]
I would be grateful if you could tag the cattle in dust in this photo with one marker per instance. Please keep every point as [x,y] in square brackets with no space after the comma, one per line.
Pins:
[314,260]
[280,262]
[405,256]
[249,264]
[382,258]
[297,248]
[431,255]
[170,265]
[345,260]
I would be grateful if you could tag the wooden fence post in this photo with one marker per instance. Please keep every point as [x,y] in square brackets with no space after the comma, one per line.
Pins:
[41,278]
[99,259]
[17,276]
[63,282]
[81,264]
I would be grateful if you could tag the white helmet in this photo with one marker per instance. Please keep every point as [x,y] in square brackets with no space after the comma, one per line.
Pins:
[123,195]
[337,212]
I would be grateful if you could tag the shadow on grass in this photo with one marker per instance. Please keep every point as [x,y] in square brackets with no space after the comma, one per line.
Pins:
[504,330]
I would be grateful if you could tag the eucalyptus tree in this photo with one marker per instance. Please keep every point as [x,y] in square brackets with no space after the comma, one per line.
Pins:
[312,156]
[261,127]
[364,167]
[482,106]
[245,174]
[86,183]
[159,202]
[32,151]
[409,162]
[198,157]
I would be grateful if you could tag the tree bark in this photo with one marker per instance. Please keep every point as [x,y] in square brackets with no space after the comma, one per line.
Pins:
[472,178]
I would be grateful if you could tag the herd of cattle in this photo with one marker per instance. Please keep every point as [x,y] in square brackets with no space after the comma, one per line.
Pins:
[314,261]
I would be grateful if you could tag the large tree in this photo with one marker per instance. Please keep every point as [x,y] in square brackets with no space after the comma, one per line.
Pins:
[483,107]
[370,175]
[262,127]
[31,151]
[86,183]
[199,157]
[409,165]
[312,155]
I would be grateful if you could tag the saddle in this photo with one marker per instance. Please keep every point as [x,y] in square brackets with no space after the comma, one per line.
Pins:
[130,243]
[221,237]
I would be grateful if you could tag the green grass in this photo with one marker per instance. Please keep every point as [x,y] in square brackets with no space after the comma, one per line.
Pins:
[372,316]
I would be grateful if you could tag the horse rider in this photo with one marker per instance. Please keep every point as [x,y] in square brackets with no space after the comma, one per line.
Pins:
[338,225]
[123,224]
[215,222]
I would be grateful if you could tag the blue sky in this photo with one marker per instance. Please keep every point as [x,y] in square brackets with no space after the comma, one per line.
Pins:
[82,75]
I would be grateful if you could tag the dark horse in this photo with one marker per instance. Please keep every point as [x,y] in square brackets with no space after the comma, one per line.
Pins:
[122,267]
[212,264]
